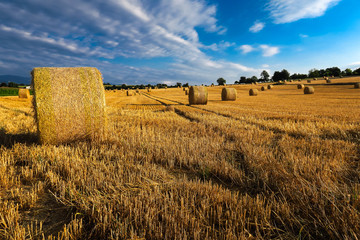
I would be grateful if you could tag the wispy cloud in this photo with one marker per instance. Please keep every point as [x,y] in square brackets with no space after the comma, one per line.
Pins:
[286,11]
[268,51]
[354,64]
[303,35]
[257,27]
[246,48]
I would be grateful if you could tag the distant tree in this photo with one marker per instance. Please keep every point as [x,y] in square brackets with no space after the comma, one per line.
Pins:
[236,82]
[265,75]
[12,84]
[314,73]
[333,71]
[285,74]
[242,79]
[254,79]
[221,81]
[277,76]
[3,84]
[186,85]
[178,84]
[348,72]
[356,72]
[298,76]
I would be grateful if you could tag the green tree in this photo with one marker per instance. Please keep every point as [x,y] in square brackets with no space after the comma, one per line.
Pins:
[314,73]
[265,75]
[348,72]
[221,81]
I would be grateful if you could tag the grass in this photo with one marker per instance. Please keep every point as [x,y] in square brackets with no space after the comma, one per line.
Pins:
[280,165]
[6,91]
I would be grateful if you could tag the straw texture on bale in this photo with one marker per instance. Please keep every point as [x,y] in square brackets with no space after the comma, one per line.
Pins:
[69,104]
[24,93]
[300,86]
[270,86]
[357,85]
[149,89]
[263,88]
[129,93]
[170,108]
[198,95]
[309,90]
[228,94]
[253,92]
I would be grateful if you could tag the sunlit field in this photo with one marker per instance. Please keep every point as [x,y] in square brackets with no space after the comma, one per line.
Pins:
[280,165]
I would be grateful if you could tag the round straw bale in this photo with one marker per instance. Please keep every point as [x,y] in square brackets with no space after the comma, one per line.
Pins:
[253,92]
[129,93]
[228,94]
[309,90]
[263,88]
[300,86]
[309,81]
[314,79]
[69,104]
[24,93]
[198,95]
[328,81]
[270,86]
[357,85]
[149,89]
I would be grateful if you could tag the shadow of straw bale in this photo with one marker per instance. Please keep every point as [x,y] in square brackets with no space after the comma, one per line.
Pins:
[9,139]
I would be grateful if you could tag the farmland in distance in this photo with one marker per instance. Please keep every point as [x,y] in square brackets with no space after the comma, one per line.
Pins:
[278,165]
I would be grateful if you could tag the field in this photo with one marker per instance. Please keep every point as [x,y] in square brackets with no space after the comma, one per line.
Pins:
[281,165]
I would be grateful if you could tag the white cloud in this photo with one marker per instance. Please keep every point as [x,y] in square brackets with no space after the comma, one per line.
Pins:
[257,27]
[286,11]
[223,45]
[269,51]
[303,35]
[246,48]
[354,64]
[265,65]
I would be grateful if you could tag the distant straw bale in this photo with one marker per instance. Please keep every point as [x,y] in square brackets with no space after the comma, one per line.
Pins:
[309,90]
[228,94]
[24,93]
[270,86]
[309,81]
[357,85]
[149,89]
[328,80]
[300,86]
[253,92]
[129,93]
[69,104]
[169,108]
[198,95]
[263,88]
[314,79]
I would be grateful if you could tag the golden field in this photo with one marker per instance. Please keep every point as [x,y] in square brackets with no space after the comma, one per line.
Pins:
[280,165]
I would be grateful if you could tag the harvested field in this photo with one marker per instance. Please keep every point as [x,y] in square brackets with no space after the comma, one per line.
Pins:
[280,165]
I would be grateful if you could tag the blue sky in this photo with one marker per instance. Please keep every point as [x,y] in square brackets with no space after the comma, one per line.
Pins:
[169,41]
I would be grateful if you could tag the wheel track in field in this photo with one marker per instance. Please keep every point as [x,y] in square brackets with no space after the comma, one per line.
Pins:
[352,135]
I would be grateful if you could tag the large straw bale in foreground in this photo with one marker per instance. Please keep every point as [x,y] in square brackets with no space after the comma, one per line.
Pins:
[309,90]
[69,104]
[253,92]
[24,93]
[198,95]
[228,94]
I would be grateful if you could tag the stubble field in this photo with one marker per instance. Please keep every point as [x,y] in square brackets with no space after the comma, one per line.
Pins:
[281,165]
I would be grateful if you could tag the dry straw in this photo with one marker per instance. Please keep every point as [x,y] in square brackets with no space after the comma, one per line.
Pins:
[309,81]
[253,92]
[198,95]
[129,93]
[69,104]
[270,86]
[228,94]
[149,89]
[357,85]
[24,93]
[263,88]
[328,80]
[300,86]
[186,92]
[309,90]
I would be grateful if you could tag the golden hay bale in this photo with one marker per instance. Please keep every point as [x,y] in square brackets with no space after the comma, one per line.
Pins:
[263,88]
[300,86]
[270,86]
[309,81]
[129,93]
[24,93]
[69,104]
[357,85]
[149,89]
[186,92]
[212,85]
[228,94]
[328,81]
[253,92]
[198,95]
[314,79]
[309,90]
[184,88]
